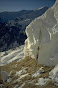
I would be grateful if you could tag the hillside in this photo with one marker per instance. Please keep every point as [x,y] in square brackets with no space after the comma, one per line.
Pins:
[6,16]
[20,74]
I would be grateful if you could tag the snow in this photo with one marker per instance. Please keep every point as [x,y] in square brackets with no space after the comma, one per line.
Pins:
[22,85]
[19,73]
[9,80]
[47,23]
[18,80]
[16,86]
[38,73]
[11,55]
[42,81]
[53,74]
[24,75]
[1,85]
[31,81]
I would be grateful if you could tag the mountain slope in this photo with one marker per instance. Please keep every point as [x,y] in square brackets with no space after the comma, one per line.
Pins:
[6,16]
[12,33]
[20,74]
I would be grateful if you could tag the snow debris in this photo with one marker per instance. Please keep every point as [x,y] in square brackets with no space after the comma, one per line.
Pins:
[10,73]
[22,71]
[53,74]
[26,68]
[38,73]
[42,81]
[18,80]
[15,66]
[9,80]
[31,81]
[19,73]
[23,75]
[16,86]
[41,70]
[22,85]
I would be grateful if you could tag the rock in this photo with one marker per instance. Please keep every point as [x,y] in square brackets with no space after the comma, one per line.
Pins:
[4,75]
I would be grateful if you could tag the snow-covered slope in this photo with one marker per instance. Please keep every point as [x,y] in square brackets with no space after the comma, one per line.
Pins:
[48,24]
[11,55]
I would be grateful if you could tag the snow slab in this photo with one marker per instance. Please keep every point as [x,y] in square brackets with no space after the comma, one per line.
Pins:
[48,24]
[53,74]
[42,81]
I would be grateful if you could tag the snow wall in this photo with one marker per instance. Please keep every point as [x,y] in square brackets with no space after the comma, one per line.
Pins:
[48,24]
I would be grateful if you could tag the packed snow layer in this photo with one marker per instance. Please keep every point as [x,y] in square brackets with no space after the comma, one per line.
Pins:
[53,74]
[48,24]
[11,55]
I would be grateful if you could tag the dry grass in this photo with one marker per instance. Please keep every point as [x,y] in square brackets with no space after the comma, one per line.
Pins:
[26,62]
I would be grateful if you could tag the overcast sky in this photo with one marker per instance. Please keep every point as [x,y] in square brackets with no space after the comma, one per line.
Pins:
[17,5]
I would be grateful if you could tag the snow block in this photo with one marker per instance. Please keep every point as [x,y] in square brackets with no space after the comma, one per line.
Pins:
[48,24]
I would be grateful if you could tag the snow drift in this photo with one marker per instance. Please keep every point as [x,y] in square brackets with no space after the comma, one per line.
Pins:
[48,24]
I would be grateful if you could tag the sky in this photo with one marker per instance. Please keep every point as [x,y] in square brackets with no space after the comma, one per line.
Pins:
[17,5]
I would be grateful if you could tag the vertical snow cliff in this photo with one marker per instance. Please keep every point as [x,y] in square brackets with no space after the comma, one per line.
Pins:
[48,24]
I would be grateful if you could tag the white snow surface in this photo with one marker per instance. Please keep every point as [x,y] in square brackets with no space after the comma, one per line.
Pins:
[42,81]
[21,72]
[53,74]
[11,55]
[48,24]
